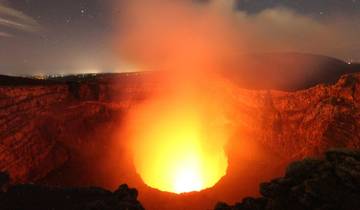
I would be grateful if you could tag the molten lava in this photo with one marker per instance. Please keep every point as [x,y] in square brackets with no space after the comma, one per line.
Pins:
[177,148]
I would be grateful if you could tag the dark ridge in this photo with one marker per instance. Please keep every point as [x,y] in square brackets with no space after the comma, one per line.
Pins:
[6,80]
[37,197]
[287,71]
[281,71]
[311,184]
[22,81]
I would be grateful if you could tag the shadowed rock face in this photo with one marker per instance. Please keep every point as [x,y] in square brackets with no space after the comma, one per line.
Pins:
[330,183]
[35,197]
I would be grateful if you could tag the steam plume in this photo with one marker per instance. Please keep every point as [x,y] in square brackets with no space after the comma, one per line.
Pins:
[152,32]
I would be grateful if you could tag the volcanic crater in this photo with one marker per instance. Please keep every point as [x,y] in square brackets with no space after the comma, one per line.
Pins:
[71,132]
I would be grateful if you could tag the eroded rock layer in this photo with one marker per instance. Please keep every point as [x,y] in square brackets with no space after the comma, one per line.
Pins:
[305,123]
[41,124]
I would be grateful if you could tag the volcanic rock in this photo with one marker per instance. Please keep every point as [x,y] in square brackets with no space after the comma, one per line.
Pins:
[332,183]
[36,197]
[43,122]
[303,123]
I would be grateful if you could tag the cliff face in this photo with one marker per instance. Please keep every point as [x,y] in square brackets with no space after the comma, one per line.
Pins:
[27,150]
[43,125]
[306,123]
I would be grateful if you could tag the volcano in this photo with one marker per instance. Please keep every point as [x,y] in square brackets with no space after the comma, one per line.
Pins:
[72,131]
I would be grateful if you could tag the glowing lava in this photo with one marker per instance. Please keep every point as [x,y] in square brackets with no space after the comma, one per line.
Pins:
[177,149]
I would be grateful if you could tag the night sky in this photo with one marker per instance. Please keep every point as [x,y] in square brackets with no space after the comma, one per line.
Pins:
[74,36]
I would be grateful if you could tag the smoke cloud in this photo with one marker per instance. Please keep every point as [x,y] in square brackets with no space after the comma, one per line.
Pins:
[176,35]
[281,29]
[156,32]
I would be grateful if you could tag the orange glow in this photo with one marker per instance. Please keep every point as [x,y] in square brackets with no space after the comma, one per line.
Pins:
[177,146]
[178,135]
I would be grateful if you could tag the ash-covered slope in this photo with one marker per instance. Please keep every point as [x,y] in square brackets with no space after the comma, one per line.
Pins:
[332,183]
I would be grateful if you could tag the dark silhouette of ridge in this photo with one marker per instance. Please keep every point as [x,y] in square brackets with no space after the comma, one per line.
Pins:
[287,71]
